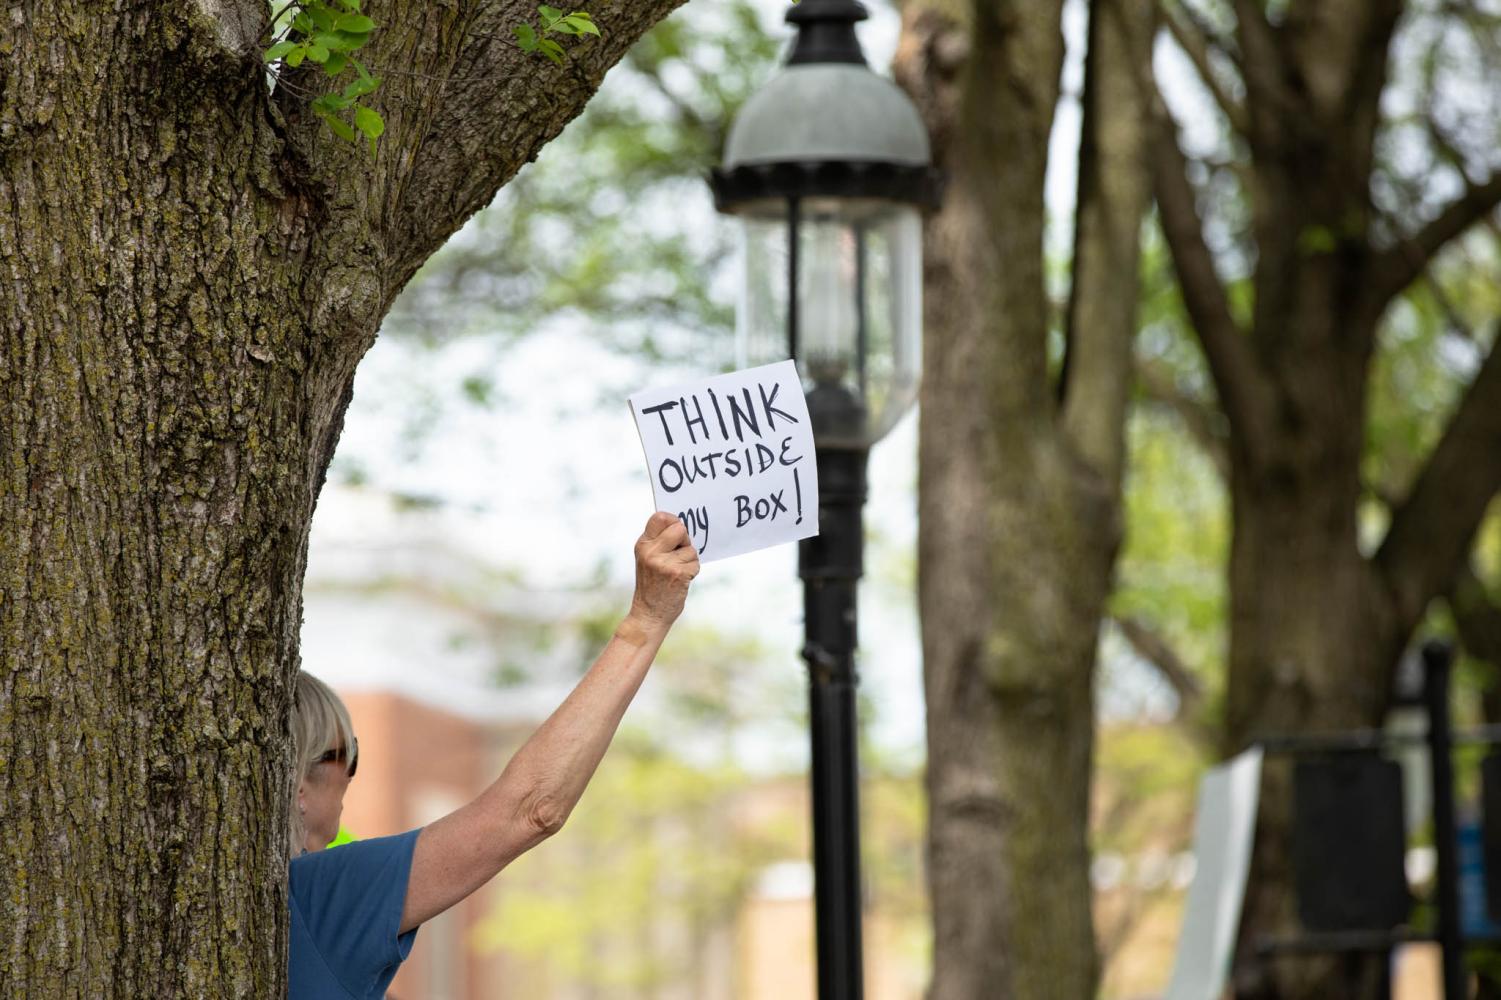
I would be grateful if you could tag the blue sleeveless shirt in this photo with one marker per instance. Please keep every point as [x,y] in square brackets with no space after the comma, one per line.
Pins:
[346,907]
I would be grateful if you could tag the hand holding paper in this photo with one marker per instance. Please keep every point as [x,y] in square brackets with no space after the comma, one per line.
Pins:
[666,563]
[732,456]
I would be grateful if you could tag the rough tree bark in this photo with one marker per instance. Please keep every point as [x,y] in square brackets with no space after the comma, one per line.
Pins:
[1020,474]
[1316,625]
[190,269]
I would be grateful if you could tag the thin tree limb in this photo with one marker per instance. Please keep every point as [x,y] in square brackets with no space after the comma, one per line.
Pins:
[1457,322]
[1155,650]
[1260,64]
[1398,266]
[1432,528]
[1196,47]
[1200,420]
[1114,191]
[1243,394]
[1210,32]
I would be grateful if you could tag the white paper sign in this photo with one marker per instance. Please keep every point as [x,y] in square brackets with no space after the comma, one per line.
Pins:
[732,456]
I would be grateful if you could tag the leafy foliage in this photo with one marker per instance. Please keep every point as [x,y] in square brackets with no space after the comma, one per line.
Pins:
[554,22]
[328,34]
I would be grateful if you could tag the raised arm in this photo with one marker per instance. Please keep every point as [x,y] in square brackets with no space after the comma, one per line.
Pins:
[540,786]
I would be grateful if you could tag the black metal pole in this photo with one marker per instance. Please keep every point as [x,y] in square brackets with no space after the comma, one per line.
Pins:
[830,565]
[1437,659]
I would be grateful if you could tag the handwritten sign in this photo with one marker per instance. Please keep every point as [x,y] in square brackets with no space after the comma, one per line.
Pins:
[732,457]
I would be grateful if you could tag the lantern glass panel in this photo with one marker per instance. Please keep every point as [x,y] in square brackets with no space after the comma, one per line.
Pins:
[761,317]
[859,316]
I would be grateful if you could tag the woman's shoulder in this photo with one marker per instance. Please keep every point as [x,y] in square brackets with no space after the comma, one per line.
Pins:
[356,859]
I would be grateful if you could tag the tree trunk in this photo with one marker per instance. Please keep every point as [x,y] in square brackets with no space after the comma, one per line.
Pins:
[189,272]
[1309,649]
[1019,482]
[1307,620]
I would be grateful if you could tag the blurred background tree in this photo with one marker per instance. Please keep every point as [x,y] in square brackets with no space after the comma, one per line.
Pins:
[1021,461]
[1318,232]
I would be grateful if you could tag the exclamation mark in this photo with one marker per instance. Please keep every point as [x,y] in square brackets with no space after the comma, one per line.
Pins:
[798,483]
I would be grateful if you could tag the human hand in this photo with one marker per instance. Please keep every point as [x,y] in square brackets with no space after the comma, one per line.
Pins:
[666,563]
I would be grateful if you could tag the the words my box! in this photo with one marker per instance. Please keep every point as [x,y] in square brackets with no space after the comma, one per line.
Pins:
[732,456]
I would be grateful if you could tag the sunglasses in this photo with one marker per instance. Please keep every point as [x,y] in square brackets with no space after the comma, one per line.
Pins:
[341,755]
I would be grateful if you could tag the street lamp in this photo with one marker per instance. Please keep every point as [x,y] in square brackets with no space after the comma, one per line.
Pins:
[828,169]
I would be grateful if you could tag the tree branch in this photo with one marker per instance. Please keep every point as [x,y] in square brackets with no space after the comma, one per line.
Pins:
[1196,46]
[1431,530]
[465,109]
[1398,266]
[1211,33]
[1114,190]
[508,106]
[1155,650]
[1243,395]
[1260,65]
[1201,421]
[1457,324]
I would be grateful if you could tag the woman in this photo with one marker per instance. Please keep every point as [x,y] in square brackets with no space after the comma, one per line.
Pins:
[356,910]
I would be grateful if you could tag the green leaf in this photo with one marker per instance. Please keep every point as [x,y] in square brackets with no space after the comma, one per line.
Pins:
[369,121]
[339,127]
[361,87]
[583,23]
[355,24]
[294,58]
[317,53]
[1313,240]
[527,36]
[331,103]
[351,40]
[322,16]
[479,389]
[550,15]
[333,41]
[551,50]
[278,50]
[335,64]
[351,4]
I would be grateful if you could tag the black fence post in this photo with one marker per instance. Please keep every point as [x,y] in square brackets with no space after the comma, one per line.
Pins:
[1438,658]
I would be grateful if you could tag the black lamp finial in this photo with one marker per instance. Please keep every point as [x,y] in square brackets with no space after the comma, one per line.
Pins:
[826,32]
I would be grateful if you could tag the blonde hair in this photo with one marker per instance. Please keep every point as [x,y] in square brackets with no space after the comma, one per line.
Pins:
[320,722]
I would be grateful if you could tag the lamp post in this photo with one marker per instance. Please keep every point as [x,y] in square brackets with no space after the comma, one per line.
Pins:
[828,169]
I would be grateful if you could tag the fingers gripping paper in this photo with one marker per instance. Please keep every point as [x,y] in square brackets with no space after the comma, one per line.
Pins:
[732,457]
